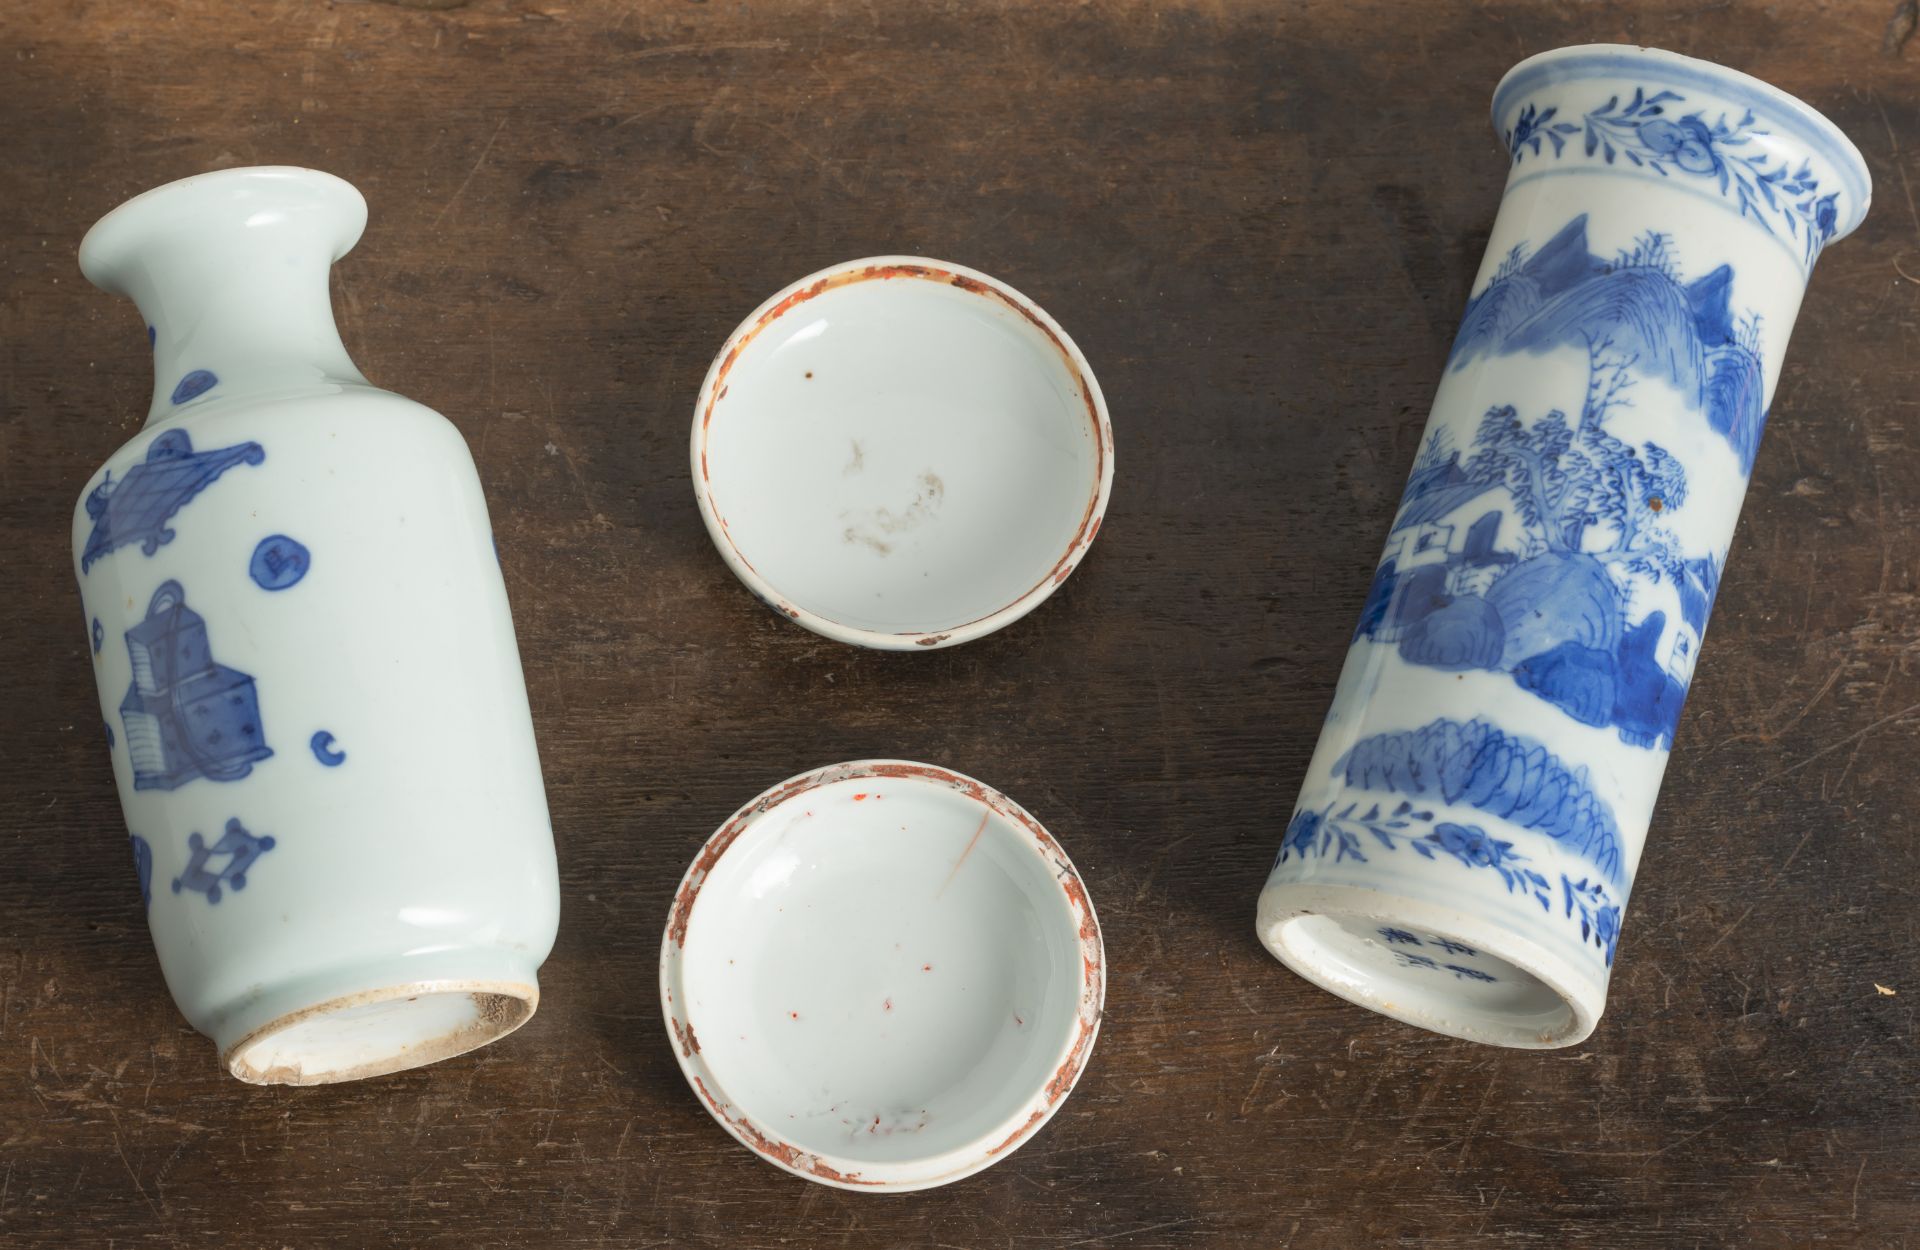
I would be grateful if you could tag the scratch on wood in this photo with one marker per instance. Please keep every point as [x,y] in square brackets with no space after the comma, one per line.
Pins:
[708,49]
[1777,874]
[1847,741]
[1893,151]
[468,181]
[1906,15]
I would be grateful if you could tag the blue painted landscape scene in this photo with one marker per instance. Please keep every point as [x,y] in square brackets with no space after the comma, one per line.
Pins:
[1533,551]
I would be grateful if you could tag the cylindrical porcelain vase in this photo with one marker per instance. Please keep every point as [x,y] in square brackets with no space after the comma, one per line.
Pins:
[311,694]
[1470,823]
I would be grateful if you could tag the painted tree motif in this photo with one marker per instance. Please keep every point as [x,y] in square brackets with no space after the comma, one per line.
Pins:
[1569,479]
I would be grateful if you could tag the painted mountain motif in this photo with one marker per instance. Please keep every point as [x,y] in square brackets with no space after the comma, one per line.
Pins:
[1545,550]
[1653,322]
[1474,764]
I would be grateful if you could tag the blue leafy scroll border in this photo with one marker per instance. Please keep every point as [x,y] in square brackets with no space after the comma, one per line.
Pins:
[1473,763]
[1327,831]
[1646,132]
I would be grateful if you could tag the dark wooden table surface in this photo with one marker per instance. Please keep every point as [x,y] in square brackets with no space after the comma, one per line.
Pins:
[1260,222]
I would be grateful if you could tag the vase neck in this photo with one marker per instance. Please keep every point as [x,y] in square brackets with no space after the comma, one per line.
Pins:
[230,272]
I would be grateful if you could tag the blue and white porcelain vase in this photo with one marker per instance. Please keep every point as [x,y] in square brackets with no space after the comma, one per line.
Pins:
[1468,830]
[308,680]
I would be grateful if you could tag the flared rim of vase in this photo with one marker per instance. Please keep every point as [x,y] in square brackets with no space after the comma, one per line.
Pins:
[188,202]
[1809,126]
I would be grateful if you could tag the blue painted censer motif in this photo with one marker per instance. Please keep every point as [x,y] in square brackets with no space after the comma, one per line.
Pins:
[1467,833]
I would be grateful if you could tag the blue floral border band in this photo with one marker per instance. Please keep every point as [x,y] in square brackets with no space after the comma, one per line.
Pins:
[1704,127]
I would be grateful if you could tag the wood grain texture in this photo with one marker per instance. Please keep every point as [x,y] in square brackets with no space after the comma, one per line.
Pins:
[1259,222]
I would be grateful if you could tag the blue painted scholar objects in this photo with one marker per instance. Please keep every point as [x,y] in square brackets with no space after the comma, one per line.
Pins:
[185,715]
[1468,829]
[313,700]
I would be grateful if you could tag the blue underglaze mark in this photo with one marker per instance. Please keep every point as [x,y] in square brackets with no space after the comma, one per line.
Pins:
[186,716]
[152,335]
[143,864]
[137,508]
[278,562]
[110,738]
[323,750]
[99,635]
[239,848]
[195,384]
[1461,972]
[1400,937]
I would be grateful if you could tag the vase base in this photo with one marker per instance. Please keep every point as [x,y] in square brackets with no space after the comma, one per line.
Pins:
[376,1032]
[1429,965]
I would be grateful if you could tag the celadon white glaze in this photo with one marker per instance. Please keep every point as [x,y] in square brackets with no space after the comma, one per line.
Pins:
[1470,824]
[309,684]
[901,453]
[882,975]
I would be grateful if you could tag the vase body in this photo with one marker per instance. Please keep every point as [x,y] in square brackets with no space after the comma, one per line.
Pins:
[311,692]
[1472,818]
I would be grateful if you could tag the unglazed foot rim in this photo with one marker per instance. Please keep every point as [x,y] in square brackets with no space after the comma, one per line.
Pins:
[1311,930]
[498,1008]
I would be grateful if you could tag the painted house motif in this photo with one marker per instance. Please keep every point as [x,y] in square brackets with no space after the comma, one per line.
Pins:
[1452,537]
[186,715]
